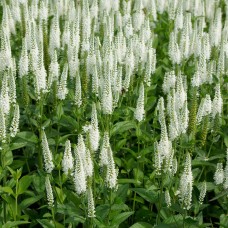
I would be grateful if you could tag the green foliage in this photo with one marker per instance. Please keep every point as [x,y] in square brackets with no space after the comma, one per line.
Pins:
[139,200]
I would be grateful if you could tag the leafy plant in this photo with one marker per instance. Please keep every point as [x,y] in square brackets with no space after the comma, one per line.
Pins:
[113,113]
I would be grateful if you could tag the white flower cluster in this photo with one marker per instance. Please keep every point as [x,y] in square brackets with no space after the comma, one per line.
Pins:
[80,168]
[106,45]
[94,135]
[67,162]
[225,184]
[50,197]
[190,40]
[163,148]
[217,102]
[48,160]
[91,206]
[221,175]
[204,108]
[106,160]
[139,111]
[177,109]
[203,191]
[167,198]
[15,122]
[126,44]
[186,184]
[9,109]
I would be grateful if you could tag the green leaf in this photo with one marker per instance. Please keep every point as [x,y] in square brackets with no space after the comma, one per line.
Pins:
[46,123]
[7,190]
[23,184]
[121,218]
[139,199]
[128,181]
[75,218]
[73,197]
[69,122]
[38,182]
[13,173]
[148,195]
[29,201]
[162,225]
[121,127]
[191,222]
[51,142]
[146,150]
[138,174]
[10,224]
[133,153]
[203,163]
[63,139]
[18,145]
[219,156]
[122,191]
[141,225]
[17,164]
[8,158]
[28,136]
[18,173]
[45,223]
[102,211]
[221,194]
[223,221]
[174,219]
[150,103]
[60,194]
[177,208]
[119,207]
[226,141]
[99,223]
[34,122]
[60,110]
[58,225]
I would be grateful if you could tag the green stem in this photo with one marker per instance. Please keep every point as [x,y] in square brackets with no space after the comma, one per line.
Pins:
[40,159]
[134,200]
[184,216]
[57,139]
[4,182]
[60,182]
[16,196]
[91,222]
[85,225]
[4,203]
[26,160]
[206,157]
[53,216]
[110,208]
[41,109]
[159,202]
